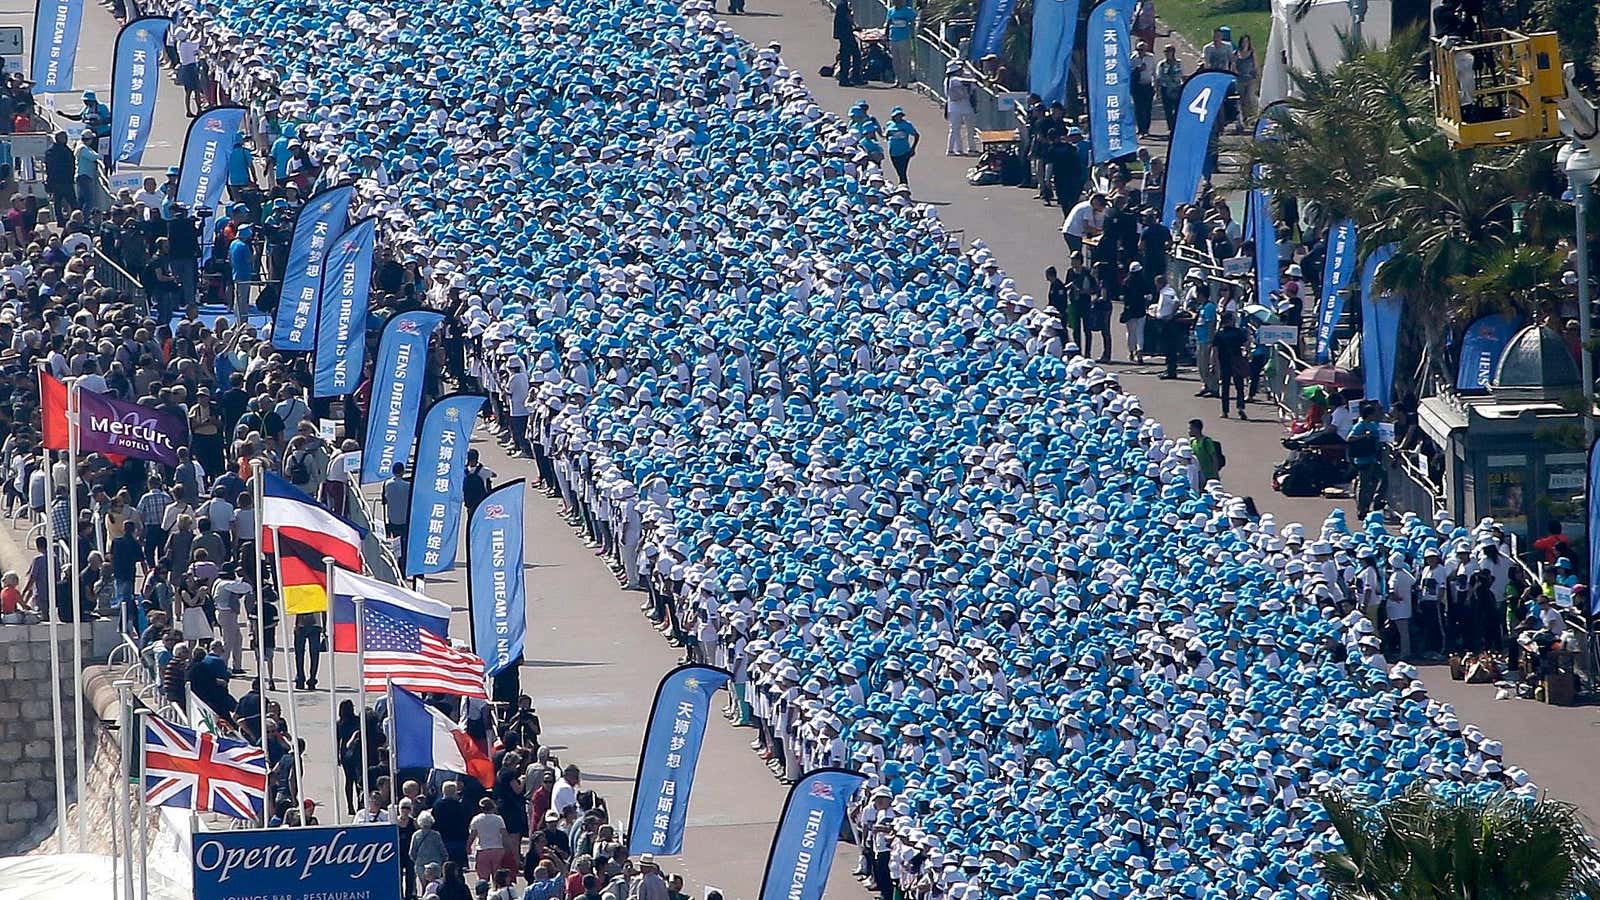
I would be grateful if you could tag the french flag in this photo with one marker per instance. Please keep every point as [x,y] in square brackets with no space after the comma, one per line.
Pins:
[425,738]
[399,603]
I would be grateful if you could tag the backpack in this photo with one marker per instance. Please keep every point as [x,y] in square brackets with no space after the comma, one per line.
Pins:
[1222,458]
[297,470]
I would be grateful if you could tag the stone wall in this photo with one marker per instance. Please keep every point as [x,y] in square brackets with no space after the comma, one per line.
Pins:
[27,750]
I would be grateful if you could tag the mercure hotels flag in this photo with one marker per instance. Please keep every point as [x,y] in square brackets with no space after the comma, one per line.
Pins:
[105,425]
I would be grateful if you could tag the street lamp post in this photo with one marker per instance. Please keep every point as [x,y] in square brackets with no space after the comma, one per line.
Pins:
[1582,167]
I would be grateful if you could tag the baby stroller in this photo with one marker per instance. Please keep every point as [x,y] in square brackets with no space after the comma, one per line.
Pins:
[1316,461]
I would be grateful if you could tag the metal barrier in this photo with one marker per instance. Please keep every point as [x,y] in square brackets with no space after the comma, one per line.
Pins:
[929,57]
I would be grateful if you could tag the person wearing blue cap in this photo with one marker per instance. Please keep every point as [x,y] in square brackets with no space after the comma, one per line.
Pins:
[95,116]
[242,270]
[903,139]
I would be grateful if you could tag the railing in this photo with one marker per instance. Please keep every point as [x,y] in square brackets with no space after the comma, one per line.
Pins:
[109,273]
[930,55]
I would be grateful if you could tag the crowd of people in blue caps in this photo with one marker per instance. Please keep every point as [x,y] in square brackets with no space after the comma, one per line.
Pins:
[851,461]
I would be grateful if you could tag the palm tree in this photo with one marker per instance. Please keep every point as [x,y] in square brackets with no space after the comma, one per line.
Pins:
[1424,845]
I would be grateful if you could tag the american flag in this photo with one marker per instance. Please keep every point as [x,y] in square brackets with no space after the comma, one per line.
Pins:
[202,772]
[413,657]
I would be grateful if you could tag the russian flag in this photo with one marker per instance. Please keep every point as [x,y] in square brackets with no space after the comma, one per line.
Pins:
[424,738]
[398,603]
[307,532]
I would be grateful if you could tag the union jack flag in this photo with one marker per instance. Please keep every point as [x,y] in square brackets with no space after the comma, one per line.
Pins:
[202,772]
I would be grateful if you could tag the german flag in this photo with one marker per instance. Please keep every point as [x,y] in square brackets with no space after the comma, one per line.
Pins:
[307,532]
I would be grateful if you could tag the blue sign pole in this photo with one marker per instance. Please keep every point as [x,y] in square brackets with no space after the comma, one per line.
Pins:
[1113,133]
[1055,30]
[204,173]
[1481,345]
[135,79]
[1593,533]
[667,761]
[1263,229]
[297,863]
[808,835]
[435,520]
[496,594]
[1338,269]
[1189,147]
[342,321]
[989,28]
[56,27]
[315,226]
[398,377]
[1380,330]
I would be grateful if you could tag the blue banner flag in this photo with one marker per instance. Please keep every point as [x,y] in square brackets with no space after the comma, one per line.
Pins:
[342,320]
[1055,30]
[989,27]
[435,521]
[1593,500]
[667,760]
[134,82]
[1481,345]
[1258,211]
[808,833]
[1113,132]
[205,157]
[398,375]
[1380,329]
[321,218]
[56,25]
[296,863]
[1189,147]
[495,592]
[1337,270]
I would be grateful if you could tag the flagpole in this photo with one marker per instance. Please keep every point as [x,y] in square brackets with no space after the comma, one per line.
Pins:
[295,739]
[120,811]
[361,691]
[144,808]
[52,614]
[256,469]
[73,567]
[333,687]
[294,718]
[394,770]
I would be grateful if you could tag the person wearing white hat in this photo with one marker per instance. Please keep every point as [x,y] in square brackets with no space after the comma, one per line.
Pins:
[960,93]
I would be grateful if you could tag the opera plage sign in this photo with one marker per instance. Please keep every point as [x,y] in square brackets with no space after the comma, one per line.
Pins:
[331,863]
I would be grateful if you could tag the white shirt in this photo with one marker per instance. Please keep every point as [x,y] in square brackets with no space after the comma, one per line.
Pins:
[148,199]
[563,796]
[1167,303]
[488,828]
[517,393]
[1082,219]
[1401,582]
[367,817]
[188,50]
[1343,419]
[291,411]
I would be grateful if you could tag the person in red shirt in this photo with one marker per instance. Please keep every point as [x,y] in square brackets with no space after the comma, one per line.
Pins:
[1554,545]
